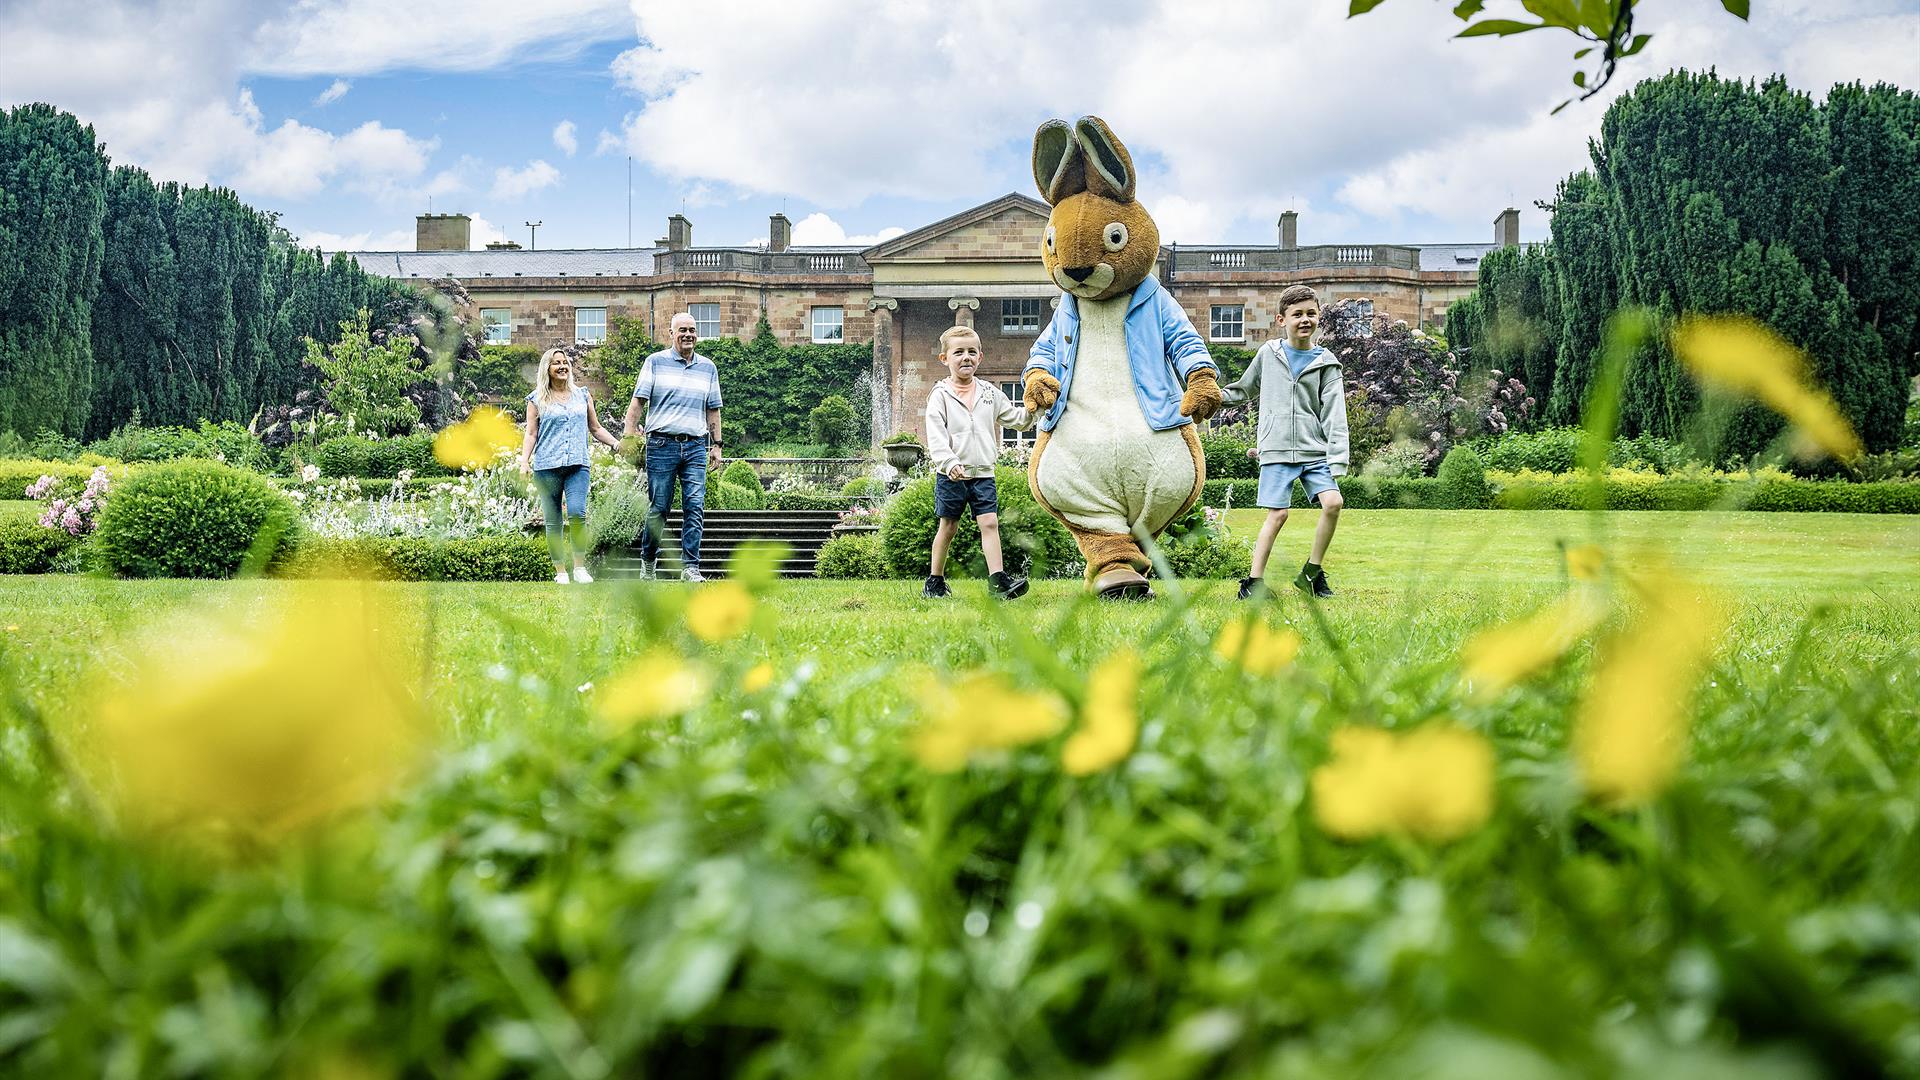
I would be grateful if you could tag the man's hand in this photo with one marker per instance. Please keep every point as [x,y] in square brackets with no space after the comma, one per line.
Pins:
[1202,398]
[713,457]
[1042,391]
[955,472]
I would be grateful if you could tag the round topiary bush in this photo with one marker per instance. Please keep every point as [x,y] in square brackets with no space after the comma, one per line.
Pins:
[1463,481]
[741,473]
[726,495]
[1031,539]
[857,556]
[863,485]
[192,518]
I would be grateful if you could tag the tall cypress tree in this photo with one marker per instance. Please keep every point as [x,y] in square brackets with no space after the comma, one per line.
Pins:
[135,314]
[53,179]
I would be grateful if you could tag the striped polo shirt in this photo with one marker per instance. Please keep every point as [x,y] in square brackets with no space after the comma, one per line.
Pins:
[678,392]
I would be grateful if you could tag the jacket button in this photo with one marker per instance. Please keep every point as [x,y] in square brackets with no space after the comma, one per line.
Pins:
[1069,339]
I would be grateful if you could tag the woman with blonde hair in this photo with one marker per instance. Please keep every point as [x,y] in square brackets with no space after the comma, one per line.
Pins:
[560,419]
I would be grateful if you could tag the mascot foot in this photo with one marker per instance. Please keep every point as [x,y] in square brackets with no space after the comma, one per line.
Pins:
[1125,583]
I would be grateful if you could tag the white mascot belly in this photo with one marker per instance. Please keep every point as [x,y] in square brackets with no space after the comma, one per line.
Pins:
[1104,469]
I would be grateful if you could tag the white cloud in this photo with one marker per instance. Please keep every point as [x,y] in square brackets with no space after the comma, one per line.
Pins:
[330,242]
[359,37]
[565,137]
[819,229]
[1413,129]
[514,183]
[333,93]
[608,143]
[294,160]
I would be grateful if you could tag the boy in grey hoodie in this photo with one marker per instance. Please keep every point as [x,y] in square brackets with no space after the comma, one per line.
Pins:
[964,418]
[1303,434]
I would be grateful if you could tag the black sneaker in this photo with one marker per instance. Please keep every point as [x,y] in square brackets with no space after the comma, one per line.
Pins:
[1252,588]
[1313,581]
[935,588]
[1006,586]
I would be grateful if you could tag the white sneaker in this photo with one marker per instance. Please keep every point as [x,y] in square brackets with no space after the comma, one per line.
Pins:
[646,572]
[561,578]
[581,577]
[690,574]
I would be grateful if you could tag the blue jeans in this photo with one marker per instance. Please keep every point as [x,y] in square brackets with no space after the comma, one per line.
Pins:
[568,482]
[669,460]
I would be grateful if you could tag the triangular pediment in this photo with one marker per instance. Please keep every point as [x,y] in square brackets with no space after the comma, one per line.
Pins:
[1008,228]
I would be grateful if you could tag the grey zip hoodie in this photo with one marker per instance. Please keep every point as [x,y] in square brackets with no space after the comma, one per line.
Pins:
[969,438]
[1302,419]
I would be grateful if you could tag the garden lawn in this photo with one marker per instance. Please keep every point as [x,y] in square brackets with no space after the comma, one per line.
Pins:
[774,883]
[21,509]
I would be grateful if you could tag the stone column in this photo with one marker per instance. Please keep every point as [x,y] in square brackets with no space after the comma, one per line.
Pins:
[963,309]
[881,377]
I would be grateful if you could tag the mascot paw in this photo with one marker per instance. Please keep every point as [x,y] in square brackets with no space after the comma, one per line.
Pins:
[1043,390]
[1202,398]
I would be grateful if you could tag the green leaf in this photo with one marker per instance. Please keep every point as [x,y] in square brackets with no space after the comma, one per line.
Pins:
[1562,105]
[1639,42]
[1500,27]
[1736,8]
[1361,7]
[1467,9]
[1560,13]
[1580,79]
[1583,52]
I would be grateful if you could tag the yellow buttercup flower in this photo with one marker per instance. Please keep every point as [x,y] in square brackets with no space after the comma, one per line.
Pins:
[757,678]
[1744,357]
[472,443]
[1585,561]
[656,686]
[1110,722]
[1435,783]
[1631,732]
[1501,656]
[262,726]
[720,611]
[982,711]
[1256,647]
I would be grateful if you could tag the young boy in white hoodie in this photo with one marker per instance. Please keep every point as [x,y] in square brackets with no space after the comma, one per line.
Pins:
[964,418]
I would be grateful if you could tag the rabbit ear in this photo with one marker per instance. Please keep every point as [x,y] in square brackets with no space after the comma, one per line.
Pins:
[1110,168]
[1059,166]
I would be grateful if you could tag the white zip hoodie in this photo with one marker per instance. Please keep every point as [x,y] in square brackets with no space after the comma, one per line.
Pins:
[969,438]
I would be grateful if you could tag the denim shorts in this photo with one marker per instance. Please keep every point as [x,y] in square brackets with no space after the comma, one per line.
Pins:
[1276,482]
[952,496]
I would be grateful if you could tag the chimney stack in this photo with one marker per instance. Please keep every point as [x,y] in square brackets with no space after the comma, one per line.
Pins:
[442,232]
[779,233]
[679,233]
[1289,231]
[1506,228]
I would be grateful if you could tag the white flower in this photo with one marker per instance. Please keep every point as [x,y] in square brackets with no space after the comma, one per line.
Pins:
[309,473]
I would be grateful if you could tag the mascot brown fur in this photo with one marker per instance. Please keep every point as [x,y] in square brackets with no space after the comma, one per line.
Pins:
[1119,375]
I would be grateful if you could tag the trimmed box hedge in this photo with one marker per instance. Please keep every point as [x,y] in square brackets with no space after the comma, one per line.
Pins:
[1771,492]
[18,474]
[418,558]
[27,547]
[1362,493]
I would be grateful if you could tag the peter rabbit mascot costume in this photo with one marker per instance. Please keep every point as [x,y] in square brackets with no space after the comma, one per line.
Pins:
[1119,375]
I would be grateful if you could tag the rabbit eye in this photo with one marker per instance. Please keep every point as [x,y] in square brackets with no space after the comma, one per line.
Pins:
[1115,237]
[1049,238]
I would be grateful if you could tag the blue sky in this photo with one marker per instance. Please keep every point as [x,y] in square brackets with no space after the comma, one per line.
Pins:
[863,119]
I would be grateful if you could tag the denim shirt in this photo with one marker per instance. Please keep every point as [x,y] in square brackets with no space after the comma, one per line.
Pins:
[563,430]
[1162,348]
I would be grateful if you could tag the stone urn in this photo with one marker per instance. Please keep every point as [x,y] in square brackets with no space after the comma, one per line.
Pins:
[905,455]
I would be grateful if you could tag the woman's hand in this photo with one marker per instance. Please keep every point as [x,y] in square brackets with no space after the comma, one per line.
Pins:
[526,466]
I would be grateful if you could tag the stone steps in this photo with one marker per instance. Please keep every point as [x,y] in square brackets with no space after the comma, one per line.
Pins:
[803,532]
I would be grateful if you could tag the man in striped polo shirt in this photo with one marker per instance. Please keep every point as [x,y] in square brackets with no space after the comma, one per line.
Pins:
[677,399]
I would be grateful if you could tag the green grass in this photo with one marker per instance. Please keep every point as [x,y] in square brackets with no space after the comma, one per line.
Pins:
[21,509]
[772,884]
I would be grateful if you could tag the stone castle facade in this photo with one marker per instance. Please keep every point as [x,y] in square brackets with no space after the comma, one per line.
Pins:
[980,267]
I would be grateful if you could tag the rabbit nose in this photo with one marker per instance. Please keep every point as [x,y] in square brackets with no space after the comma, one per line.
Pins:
[1078,273]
